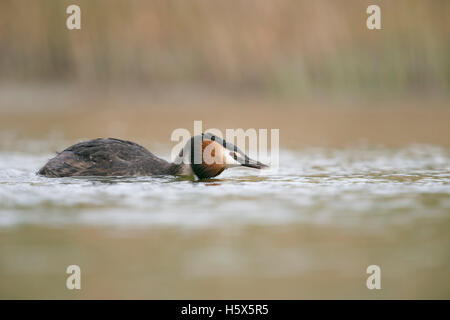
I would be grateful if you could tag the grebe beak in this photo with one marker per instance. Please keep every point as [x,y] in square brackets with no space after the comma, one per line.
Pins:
[247,162]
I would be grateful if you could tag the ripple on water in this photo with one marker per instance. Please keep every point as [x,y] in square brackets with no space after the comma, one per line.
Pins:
[318,185]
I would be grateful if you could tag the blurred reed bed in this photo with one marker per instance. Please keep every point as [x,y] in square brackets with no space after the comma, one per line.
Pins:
[283,47]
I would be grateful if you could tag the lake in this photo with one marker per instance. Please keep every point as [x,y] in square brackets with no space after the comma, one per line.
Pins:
[308,229]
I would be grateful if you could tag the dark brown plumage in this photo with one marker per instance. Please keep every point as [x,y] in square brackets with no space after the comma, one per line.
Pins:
[115,157]
[107,157]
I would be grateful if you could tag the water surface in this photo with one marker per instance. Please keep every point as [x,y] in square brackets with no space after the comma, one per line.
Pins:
[307,229]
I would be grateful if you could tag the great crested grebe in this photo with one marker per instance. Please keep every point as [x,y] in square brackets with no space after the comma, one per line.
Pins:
[114,157]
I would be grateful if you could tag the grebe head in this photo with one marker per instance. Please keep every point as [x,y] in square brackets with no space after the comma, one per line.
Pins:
[210,155]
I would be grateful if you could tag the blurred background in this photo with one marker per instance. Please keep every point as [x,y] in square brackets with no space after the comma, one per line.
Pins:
[264,48]
[171,58]
[139,69]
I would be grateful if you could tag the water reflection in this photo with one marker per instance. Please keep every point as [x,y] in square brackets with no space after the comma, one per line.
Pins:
[325,214]
[311,185]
